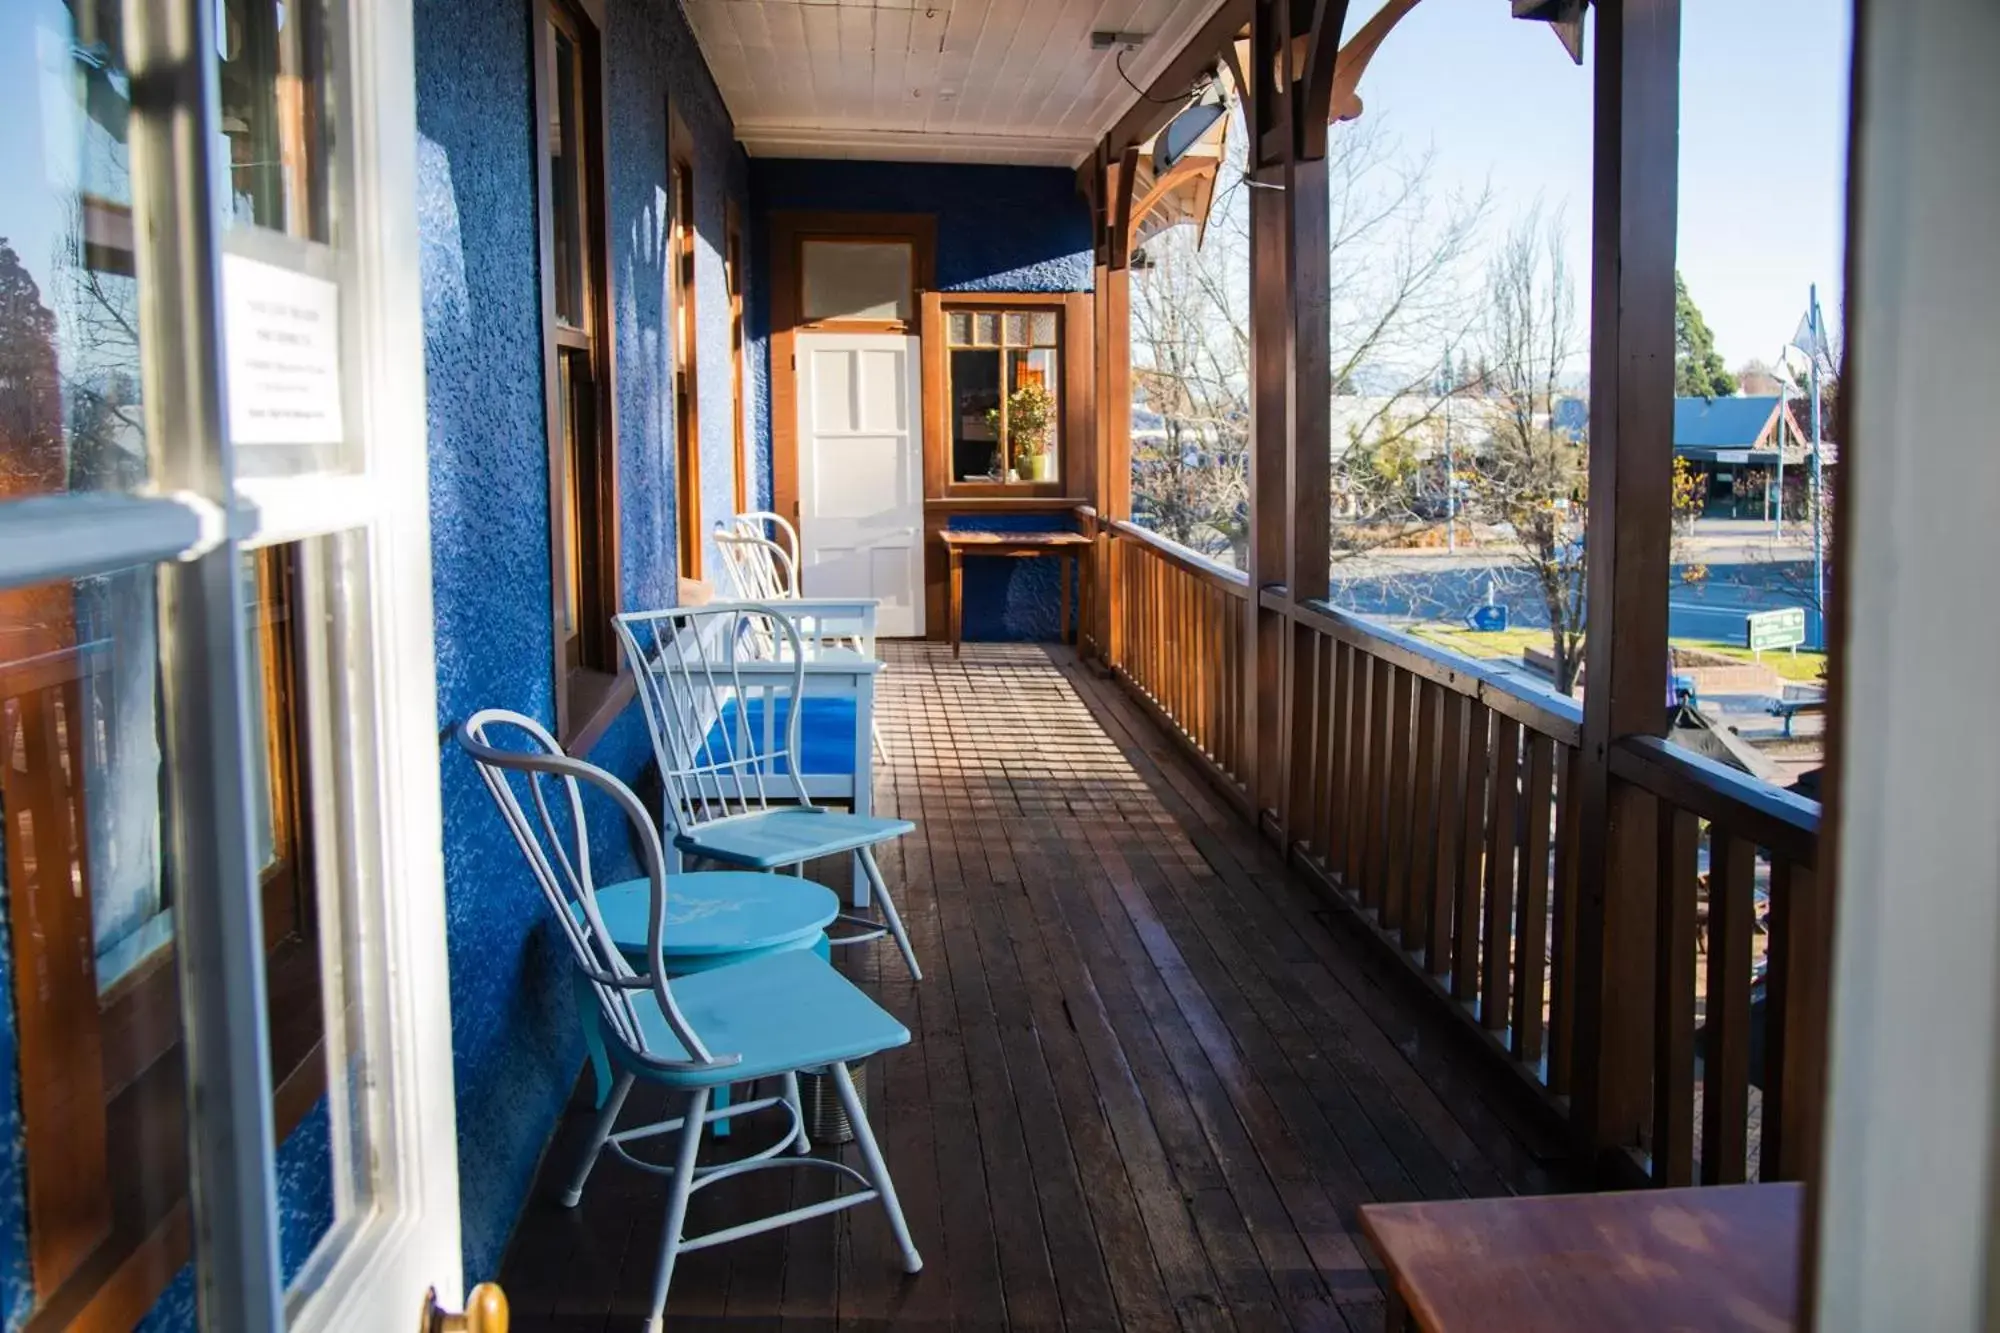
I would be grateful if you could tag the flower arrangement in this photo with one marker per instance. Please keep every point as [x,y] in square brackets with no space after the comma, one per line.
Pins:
[1030,415]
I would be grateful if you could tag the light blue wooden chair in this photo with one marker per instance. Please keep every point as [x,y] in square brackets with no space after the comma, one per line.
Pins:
[774,1016]
[720,686]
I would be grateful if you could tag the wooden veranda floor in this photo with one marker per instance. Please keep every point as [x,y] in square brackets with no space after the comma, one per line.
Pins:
[1151,1080]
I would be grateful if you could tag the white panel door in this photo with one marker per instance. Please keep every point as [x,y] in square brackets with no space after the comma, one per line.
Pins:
[861,493]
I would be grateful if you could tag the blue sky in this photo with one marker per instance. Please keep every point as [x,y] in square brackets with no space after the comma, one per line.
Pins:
[1763,141]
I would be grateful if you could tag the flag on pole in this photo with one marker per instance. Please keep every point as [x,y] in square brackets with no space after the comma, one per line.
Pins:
[1810,339]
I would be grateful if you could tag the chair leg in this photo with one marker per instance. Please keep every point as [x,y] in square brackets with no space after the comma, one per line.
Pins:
[606,1118]
[804,1146]
[889,913]
[878,1171]
[679,1186]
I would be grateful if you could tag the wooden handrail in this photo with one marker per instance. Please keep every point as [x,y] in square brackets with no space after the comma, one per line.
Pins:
[1552,715]
[1782,823]
[1234,581]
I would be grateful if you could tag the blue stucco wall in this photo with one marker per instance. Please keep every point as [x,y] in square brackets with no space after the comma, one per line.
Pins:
[515,1043]
[999,229]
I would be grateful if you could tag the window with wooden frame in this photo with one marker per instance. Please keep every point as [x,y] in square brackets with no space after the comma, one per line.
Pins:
[687,416]
[576,355]
[732,273]
[1007,394]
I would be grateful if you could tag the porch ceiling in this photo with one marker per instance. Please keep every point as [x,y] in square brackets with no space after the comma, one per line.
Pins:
[947,81]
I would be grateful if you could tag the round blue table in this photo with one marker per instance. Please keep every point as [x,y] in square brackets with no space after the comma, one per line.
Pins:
[714,918]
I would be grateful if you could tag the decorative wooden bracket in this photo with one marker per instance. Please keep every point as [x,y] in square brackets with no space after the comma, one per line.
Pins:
[1354,57]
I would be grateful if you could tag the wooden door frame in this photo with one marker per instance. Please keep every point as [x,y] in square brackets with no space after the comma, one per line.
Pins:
[788,229]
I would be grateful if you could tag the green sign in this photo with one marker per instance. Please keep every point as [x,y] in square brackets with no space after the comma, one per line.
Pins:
[1775,629]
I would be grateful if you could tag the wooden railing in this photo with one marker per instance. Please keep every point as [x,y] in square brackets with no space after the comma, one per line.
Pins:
[1442,802]
[1176,625]
[1740,995]
[1443,805]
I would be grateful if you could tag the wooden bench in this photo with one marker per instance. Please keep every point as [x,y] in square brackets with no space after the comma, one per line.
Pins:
[1720,1258]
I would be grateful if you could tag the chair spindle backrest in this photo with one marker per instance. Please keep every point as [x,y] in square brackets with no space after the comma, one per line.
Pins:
[759,569]
[722,749]
[537,767]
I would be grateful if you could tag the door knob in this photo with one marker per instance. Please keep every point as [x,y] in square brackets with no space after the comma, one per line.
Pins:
[485,1312]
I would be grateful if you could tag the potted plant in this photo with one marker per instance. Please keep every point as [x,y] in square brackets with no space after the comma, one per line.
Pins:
[1030,415]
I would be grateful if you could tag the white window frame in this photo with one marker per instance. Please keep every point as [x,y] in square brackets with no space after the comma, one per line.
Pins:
[370,683]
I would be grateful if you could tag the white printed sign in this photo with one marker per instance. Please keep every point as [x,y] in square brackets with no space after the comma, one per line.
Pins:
[282,331]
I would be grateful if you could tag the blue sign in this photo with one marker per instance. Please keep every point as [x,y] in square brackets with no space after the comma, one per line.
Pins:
[1488,619]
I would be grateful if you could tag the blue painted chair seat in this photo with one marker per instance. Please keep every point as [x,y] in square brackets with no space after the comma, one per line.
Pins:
[826,731]
[780,1012]
[715,918]
[787,835]
[718,916]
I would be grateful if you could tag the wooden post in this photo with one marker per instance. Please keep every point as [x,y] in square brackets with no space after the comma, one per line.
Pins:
[1635,187]
[1293,44]
[1111,472]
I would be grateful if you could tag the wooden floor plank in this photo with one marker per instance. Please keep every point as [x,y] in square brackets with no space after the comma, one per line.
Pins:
[1150,1078]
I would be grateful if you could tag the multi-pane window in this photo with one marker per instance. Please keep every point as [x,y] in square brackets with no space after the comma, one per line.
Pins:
[577,346]
[1005,396]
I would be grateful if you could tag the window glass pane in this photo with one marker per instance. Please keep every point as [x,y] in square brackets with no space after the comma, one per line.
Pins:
[960,328]
[856,279]
[90,890]
[986,328]
[565,176]
[1042,328]
[70,411]
[94,998]
[1033,425]
[1014,328]
[270,58]
[975,420]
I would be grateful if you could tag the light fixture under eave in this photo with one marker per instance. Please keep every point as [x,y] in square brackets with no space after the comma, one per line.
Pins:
[1564,17]
[1185,130]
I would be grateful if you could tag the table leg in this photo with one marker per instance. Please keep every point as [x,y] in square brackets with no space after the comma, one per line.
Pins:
[957,596]
[859,890]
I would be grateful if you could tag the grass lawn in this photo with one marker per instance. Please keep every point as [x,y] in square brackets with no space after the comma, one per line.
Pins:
[1807,667]
[1506,643]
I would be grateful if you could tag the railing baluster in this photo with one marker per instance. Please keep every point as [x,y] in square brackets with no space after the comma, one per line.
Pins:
[1502,830]
[1673,1007]
[1725,1108]
[1321,799]
[1562,1006]
[1301,675]
[1361,789]
[1340,792]
[1398,809]
[1451,785]
[1381,694]
[1423,819]
[1472,855]
[1795,1024]
[1531,946]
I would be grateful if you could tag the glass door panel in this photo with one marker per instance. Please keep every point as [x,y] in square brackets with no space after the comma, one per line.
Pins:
[217,859]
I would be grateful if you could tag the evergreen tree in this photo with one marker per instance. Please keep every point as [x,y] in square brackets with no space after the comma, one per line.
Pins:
[31,438]
[1698,368]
